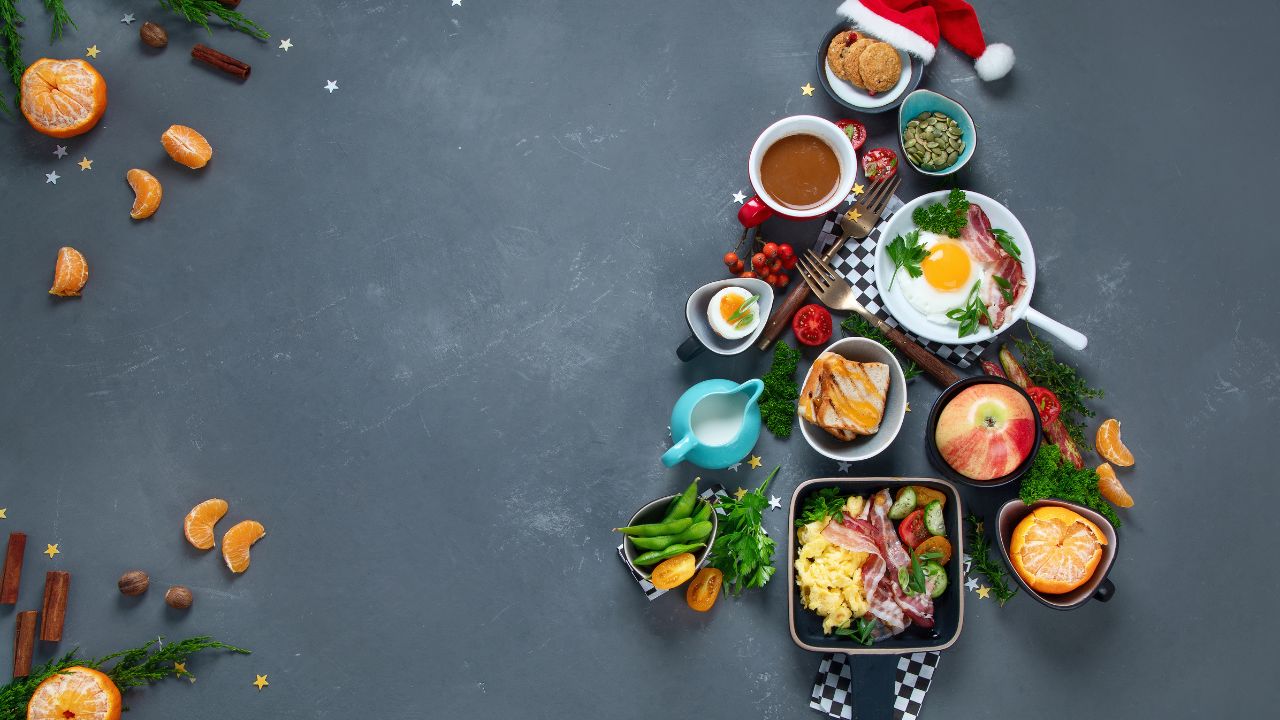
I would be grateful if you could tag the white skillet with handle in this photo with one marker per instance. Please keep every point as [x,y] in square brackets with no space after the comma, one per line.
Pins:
[947,333]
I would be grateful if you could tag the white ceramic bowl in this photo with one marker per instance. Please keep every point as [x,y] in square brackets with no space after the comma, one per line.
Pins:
[895,406]
[695,313]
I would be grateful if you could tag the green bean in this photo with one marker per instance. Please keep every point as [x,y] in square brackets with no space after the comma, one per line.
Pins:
[673,527]
[683,506]
[657,556]
[704,513]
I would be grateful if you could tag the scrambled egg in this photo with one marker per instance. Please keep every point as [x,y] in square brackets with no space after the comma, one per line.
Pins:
[829,576]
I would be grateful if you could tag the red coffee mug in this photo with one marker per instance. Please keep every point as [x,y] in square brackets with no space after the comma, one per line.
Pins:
[763,206]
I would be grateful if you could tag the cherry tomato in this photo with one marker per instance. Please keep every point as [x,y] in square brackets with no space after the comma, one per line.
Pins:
[759,262]
[880,164]
[790,262]
[856,131]
[771,279]
[776,265]
[770,250]
[738,266]
[730,259]
[704,590]
[937,544]
[786,251]
[912,529]
[747,274]
[812,325]
[1046,403]
[783,281]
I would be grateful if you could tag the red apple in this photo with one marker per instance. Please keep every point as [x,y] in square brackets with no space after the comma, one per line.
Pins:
[986,431]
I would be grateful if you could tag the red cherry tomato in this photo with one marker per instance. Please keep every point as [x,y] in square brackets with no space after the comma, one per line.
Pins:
[759,262]
[880,164]
[812,325]
[775,265]
[730,259]
[771,279]
[770,250]
[747,274]
[738,267]
[790,262]
[783,281]
[786,251]
[912,529]
[1047,404]
[856,131]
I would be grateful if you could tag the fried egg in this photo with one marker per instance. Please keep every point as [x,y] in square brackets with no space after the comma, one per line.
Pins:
[721,310]
[947,276]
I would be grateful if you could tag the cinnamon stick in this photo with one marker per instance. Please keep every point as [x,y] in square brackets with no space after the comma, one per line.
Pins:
[57,584]
[221,61]
[12,568]
[24,643]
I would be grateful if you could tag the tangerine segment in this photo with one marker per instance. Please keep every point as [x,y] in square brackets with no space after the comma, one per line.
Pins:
[186,146]
[1109,444]
[1111,489]
[146,194]
[70,273]
[198,524]
[77,692]
[1056,550]
[62,98]
[237,541]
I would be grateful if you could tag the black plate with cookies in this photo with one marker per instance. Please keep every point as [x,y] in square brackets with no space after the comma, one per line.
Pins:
[864,73]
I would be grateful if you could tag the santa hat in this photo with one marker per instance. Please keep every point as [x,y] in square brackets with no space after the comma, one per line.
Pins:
[914,25]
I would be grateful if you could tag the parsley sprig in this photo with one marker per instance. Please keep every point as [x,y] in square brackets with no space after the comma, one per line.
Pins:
[973,312]
[742,550]
[826,503]
[981,561]
[944,219]
[906,252]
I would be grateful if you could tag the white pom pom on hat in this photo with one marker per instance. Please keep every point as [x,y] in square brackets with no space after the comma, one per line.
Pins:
[916,26]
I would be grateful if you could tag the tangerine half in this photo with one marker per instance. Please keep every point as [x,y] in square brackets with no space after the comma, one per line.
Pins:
[237,541]
[62,98]
[77,692]
[186,146]
[197,526]
[1109,444]
[146,193]
[1056,550]
[70,273]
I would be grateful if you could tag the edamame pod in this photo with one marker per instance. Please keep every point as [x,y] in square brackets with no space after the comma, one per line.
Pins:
[657,556]
[704,513]
[683,506]
[696,531]
[672,527]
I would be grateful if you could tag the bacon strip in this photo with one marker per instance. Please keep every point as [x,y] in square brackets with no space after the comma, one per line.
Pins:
[1011,270]
[978,238]
[919,608]
[849,538]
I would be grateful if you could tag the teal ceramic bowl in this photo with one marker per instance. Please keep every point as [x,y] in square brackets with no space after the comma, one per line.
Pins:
[922,101]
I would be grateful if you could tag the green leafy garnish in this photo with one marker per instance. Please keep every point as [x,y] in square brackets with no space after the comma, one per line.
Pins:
[944,219]
[857,325]
[1006,288]
[742,550]
[778,401]
[1052,477]
[1006,241]
[981,562]
[862,631]
[744,308]
[971,315]
[906,252]
[1062,379]
[912,576]
[821,505]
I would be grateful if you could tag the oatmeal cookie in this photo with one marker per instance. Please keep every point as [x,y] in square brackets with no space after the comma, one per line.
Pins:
[879,67]
[853,58]
[836,50]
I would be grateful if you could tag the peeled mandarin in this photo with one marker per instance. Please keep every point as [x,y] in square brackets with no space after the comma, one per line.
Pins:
[1109,445]
[62,98]
[70,273]
[186,146]
[76,692]
[1111,489]
[237,541]
[146,193]
[197,526]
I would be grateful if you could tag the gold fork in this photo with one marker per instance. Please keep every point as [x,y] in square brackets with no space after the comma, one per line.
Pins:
[838,294]
[857,223]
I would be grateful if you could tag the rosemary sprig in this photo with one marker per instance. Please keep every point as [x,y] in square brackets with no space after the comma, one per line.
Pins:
[198,12]
[982,562]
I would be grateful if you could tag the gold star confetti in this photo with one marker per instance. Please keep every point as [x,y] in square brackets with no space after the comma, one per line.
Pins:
[51,550]
[2,513]
[755,462]
[853,214]
[261,682]
[92,51]
[180,669]
[85,164]
[740,493]
[908,407]
[807,89]
[191,679]
[983,591]
[858,189]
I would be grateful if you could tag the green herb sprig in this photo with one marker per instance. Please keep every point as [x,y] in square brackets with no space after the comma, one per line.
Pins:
[980,558]
[944,219]
[856,325]
[778,401]
[914,572]
[1072,391]
[862,631]
[906,252]
[742,550]
[973,312]
[130,668]
[1005,287]
[11,53]
[198,12]
[1006,241]
[1052,477]
[826,503]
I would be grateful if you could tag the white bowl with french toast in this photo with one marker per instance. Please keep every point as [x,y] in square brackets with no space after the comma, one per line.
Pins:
[851,383]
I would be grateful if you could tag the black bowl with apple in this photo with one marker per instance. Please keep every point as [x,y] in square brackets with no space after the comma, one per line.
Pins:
[983,431]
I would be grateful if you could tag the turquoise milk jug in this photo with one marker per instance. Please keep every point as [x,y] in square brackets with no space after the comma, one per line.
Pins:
[715,424]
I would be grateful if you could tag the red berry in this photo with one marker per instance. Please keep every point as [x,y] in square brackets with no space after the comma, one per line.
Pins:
[758,261]
[786,251]
[771,279]
[776,265]
[730,259]
[770,250]
[790,262]
[747,274]
[738,266]
[783,281]
[851,38]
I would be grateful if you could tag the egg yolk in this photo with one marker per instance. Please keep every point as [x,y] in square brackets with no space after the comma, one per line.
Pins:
[947,267]
[729,305]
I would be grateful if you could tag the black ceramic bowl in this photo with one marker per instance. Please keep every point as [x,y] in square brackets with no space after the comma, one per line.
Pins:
[931,427]
[806,625]
[1099,587]
[853,98]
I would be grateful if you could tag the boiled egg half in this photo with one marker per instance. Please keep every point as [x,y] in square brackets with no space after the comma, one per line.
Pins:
[727,315]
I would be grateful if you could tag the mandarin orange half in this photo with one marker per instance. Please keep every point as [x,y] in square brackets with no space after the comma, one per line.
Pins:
[62,98]
[1056,550]
[77,692]
[186,146]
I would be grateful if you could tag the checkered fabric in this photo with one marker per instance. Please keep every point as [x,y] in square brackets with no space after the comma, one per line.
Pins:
[711,494]
[833,688]
[856,261]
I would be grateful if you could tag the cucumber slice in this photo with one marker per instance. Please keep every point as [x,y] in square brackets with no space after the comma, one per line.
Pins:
[934,521]
[935,579]
[903,506]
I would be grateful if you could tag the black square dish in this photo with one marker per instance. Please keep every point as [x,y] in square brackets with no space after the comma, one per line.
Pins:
[806,625]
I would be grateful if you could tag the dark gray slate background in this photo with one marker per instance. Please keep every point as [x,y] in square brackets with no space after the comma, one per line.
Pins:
[423,329]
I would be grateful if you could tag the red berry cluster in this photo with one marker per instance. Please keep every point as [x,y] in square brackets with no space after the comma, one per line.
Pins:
[770,264]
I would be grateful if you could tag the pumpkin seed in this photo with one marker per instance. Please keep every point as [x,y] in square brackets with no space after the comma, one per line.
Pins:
[952,157]
[923,116]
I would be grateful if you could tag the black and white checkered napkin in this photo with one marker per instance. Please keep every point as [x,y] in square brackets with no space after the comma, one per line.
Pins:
[711,494]
[856,261]
[833,689]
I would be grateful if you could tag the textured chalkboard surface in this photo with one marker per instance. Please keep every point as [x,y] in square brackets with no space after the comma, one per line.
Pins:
[423,328]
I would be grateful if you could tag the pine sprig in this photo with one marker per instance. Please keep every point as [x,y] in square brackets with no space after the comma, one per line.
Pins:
[982,562]
[60,19]
[198,12]
[11,53]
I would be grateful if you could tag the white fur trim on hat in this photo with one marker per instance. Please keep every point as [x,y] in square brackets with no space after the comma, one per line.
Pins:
[995,62]
[890,32]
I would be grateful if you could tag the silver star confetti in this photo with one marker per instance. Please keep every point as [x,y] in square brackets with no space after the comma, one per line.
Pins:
[971,584]
[60,150]
[734,467]
[738,197]
[457,3]
[285,44]
[775,502]
[51,178]
[844,466]
[128,18]
[331,86]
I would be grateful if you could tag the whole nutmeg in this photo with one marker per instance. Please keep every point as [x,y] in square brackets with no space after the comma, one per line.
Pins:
[153,35]
[134,582]
[178,597]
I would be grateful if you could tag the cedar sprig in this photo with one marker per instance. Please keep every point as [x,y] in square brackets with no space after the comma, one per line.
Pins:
[982,562]
[60,19]
[11,53]
[198,12]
